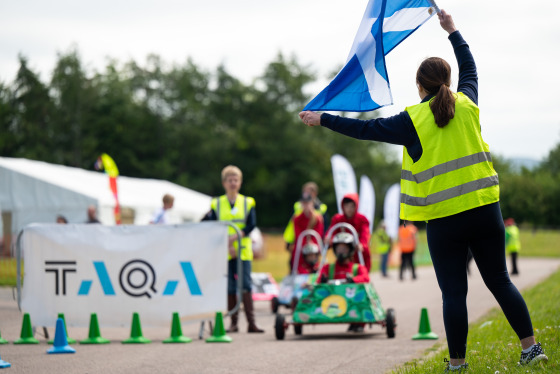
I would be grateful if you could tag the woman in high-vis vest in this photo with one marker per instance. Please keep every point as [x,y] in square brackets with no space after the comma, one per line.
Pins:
[240,210]
[448,180]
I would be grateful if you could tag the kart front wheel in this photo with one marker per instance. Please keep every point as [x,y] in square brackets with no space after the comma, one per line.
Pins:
[274,304]
[390,323]
[280,327]
[298,329]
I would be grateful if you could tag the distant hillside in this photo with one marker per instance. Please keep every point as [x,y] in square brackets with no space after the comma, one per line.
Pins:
[529,163]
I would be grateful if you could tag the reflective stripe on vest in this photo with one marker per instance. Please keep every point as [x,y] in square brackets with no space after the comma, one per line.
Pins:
[454,173]
[237,215]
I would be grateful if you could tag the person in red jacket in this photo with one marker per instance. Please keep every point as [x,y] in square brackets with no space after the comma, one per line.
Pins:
[308,219]
[310,263]
[359,222]
[344,269]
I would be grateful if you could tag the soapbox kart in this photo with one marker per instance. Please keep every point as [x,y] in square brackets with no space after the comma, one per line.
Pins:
[293,285]
[337,302]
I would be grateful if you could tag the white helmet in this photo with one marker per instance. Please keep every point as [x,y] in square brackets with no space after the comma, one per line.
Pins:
[310,248]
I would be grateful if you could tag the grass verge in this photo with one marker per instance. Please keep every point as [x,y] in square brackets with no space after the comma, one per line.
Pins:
[493,347]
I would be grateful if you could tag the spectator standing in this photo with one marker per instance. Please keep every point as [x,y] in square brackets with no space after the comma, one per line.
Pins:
[382,243]
[92,214]
[513,244]
[407,243]
[160,217]
[240,210]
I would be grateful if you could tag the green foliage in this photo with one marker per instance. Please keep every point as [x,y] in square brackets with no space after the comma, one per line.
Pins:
[183,124]
[531,196]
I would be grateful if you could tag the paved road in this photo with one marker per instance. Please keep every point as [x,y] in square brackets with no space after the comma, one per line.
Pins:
[321,349]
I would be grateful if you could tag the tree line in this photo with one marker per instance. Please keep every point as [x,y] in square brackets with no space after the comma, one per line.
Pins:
[182,123]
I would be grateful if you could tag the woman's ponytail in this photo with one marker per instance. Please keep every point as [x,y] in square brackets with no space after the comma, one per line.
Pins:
[434,75]
[443,106]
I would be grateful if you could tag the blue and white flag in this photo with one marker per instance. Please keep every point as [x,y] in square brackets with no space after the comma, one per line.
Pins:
[362,84]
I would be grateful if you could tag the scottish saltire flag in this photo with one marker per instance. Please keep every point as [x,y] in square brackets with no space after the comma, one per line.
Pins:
[362,84]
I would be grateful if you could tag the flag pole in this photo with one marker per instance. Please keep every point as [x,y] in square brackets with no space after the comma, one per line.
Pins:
[438,11]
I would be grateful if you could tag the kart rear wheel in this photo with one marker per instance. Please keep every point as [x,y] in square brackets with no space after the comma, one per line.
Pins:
[390,323]
[298,329]
[280,327]
[274,304]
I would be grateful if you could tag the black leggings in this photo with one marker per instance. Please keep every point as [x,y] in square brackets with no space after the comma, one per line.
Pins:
[449,238]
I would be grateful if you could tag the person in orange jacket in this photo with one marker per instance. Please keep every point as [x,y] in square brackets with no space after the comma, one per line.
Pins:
[350,215]
[407,243]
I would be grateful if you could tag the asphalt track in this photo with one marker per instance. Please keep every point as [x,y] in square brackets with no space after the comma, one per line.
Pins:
[321,349]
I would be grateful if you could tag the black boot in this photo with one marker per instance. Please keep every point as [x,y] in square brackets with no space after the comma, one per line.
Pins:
[250,312]
[231,301]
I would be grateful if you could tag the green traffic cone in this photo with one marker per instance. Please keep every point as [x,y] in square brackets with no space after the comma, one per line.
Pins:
[176,332]
[136,332]
[26,336]
[424,330]
[3,341]
[70,340]
[219,333]
[94,335]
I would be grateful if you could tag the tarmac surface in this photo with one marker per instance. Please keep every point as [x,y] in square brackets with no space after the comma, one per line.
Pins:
[321,349]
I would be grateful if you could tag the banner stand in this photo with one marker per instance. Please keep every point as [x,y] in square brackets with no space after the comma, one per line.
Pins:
[239,284]
[19,278]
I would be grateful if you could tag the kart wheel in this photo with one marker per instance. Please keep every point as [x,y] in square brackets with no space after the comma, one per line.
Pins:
[279,327]
[274,304]
[390,323]
[294,302]
[298,329]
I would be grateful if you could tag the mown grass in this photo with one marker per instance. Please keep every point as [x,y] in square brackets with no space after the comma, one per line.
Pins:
[493,347]
[540,243]
[8,273]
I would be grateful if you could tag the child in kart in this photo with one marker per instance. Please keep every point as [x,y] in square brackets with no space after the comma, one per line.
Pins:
[310,263]
[344,269]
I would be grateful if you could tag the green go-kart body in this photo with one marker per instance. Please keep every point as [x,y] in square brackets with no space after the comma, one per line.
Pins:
[339,303]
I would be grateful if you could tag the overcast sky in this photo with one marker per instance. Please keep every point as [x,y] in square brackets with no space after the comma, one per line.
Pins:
[516,45]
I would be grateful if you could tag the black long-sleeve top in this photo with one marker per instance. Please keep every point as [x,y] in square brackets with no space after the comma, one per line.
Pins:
[399,129]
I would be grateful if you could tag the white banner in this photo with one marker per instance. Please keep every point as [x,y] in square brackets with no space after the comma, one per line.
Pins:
[391,209]
[344,178]
[367,200]
[114,271]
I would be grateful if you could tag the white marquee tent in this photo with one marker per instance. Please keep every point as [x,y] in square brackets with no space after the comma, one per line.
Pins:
[34,191]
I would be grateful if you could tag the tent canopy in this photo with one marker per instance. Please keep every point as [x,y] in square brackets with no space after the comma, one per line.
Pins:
[35,191]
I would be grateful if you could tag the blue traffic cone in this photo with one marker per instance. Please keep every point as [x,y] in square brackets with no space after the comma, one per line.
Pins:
[4,364]
[70,340]
[60,340]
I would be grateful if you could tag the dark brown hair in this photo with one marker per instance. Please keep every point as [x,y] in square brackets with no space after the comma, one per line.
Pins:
[434,74]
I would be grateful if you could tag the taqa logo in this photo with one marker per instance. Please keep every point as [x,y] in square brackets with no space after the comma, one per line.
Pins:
[137,278]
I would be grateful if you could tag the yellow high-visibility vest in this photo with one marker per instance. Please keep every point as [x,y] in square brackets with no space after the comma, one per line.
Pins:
[238,216]
[454,173]
[513,244]
[381,241]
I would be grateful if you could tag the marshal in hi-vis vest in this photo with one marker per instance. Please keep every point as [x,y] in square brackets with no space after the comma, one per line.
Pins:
[238,216]
[454,173]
